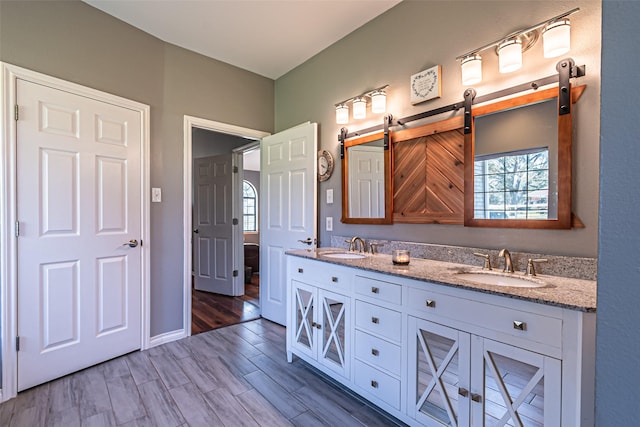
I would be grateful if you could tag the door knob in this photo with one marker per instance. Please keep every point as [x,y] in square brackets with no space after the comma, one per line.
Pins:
[196,231]
[307,241]
[131,243]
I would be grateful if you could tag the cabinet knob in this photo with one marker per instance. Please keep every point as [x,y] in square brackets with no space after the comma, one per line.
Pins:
[300,270]
[374,290]
[521,326]
[375,320]
[374,383]
[463,392]
[334,279]
[374,352]
[430,303]
[316,325]
[476,397]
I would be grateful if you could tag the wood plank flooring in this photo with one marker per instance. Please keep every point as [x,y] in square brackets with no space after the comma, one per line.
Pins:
[211,311]
[232,376]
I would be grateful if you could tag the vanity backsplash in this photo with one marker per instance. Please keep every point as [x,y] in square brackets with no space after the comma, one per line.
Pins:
[563,266]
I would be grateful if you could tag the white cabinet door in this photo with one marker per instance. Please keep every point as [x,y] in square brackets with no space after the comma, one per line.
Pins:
[439,374]
[513,387]
[335,332]
[302,329]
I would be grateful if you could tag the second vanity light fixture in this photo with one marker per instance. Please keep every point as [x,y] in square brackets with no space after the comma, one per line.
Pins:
[359,103]
[556,36]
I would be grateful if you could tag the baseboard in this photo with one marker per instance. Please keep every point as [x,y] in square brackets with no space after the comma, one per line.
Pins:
[167,337]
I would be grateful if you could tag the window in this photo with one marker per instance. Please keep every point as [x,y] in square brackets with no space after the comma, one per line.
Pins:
[249,207]
[512,185]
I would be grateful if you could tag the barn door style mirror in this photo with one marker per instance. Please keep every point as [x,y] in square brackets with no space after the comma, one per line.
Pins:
[366,180]
[518,162]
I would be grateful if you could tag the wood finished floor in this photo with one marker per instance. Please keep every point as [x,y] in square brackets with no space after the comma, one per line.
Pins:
[232,376]
[211,311]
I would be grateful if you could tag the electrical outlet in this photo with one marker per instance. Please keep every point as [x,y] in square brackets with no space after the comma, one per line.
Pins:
[156,195]
[329,224]
[329,196]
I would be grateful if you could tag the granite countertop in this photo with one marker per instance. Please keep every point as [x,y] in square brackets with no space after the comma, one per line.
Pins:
[574,294]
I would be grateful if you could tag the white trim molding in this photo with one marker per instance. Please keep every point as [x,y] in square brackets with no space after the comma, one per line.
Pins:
[8,209]
[191,122]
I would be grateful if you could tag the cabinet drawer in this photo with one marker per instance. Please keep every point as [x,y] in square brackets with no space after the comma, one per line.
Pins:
[329,276]
[522,324]
[384,291]
[379,320]
[378,352]
[379,384]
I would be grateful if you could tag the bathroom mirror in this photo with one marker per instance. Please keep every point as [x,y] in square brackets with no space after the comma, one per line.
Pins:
[366,181]
[518,163]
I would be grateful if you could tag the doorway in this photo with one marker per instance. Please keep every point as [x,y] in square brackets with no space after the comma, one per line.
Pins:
[219,294]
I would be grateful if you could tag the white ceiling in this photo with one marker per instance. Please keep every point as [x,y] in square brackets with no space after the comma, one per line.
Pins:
[267,37]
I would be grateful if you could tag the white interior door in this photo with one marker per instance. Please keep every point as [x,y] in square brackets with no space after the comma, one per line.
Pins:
[213,225]
[78,206]
[288,193]
[366,182]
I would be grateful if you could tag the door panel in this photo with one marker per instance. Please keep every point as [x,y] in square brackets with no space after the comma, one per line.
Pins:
[289,196]
[79,203]
[213,204]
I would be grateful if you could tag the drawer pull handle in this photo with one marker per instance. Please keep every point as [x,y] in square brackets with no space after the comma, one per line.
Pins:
[334,279]
[300,270]
[374,352]
[375,320]
[430,303]
[476,397]
[521,326]
[463,392]
[374,383]
[316,325]
[374,290]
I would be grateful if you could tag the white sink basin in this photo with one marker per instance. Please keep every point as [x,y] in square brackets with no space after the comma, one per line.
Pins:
[500,280]
[343,255]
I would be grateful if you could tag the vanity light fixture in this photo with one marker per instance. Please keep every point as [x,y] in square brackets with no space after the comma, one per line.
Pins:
[556,36]
[378,105]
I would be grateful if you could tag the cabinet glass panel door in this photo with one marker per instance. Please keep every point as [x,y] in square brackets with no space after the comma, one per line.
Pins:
[440,357]
[333,314]
[304,297]
[521,388]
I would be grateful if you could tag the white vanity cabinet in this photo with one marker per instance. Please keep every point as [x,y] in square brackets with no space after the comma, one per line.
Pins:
[319,315]
[439,355]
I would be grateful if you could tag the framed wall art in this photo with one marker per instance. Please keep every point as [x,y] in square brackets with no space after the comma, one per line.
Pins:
[426,85]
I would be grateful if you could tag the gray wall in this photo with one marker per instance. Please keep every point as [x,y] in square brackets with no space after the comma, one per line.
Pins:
[208,143]
[618,337]
[76,42]
[416,35]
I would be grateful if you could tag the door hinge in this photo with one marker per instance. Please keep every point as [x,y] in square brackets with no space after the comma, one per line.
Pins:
[140,242]
[16,112]
[17,343]
[234,221]
[235,169]
[235,273]
[17,228]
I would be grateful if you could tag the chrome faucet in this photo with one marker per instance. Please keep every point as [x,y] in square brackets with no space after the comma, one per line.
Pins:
[508,264]
[353,241]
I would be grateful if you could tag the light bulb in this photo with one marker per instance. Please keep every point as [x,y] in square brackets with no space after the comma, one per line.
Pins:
[557,38]
[471,70]
[510,55]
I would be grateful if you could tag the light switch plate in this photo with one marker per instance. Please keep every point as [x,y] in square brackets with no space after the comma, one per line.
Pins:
[329,223]
[156,195]
[329,196]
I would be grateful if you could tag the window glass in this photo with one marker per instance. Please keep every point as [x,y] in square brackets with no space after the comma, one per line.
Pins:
[249,207]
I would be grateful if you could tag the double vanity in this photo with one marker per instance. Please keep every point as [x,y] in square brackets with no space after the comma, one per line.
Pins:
[437,343]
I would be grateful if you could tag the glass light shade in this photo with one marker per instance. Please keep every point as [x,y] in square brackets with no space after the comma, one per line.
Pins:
[359,108]
[471,70]
[557,38]
[378,102]
[342,114]
[510,56]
